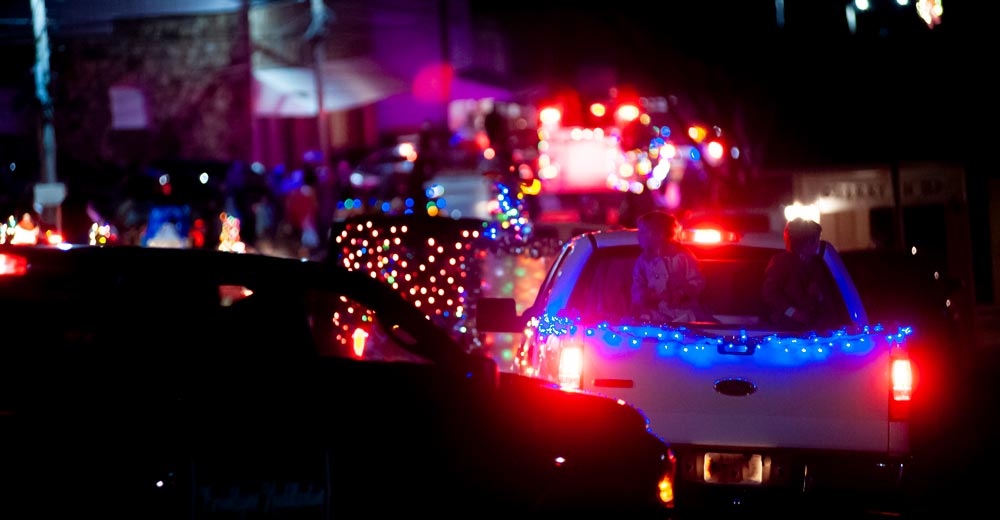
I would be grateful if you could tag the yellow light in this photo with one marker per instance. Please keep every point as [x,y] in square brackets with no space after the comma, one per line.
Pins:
[666,486]
[598,109]
[534,188]
[697,133]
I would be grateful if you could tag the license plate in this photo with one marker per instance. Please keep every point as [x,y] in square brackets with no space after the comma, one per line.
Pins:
[733,468]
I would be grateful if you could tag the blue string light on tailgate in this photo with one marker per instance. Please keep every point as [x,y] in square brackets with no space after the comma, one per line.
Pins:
[703,348]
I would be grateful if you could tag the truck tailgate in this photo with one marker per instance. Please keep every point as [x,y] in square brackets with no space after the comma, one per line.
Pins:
[816,393]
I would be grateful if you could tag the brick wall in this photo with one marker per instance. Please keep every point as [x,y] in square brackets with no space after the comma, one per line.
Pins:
[193,71]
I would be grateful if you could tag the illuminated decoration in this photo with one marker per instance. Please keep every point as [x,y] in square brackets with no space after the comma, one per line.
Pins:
[430,261]
[53,238]
[229,238]
[516,276]
[441,265]
[930,12]
[351,337]
[7,230]
[532,188]
[508,214]
[701,348]
[20,233]
[101,234]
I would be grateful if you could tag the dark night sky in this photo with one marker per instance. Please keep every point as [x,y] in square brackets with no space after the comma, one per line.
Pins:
[892,90]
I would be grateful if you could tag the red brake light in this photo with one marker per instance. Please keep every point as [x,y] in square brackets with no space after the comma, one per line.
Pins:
[902,380]
[571,368]
[13,265]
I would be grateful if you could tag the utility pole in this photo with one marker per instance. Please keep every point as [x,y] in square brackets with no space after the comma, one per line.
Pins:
[316,36]
[445,57]
[48,193]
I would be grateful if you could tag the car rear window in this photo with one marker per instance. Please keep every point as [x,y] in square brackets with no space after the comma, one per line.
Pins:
[732,294]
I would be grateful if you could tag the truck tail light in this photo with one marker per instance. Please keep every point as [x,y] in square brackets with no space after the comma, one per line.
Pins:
[571,368]
[902,389]
[902,380]
[666,490]
[12,265]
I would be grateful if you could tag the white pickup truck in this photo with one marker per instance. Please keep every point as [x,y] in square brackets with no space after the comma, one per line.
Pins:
[750,410]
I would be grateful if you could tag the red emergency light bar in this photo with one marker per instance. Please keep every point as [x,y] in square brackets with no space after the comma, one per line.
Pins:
[708,236]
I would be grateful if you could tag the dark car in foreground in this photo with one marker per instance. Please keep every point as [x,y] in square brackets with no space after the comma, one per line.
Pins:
[167,383]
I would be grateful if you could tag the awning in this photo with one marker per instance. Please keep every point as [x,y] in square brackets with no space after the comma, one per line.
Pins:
[347,84]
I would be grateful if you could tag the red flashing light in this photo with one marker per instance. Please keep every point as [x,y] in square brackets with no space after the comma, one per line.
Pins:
[13,265]
[550,115]
[707,236]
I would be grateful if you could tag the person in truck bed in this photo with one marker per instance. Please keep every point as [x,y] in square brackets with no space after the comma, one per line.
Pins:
[666,279]
[797,287]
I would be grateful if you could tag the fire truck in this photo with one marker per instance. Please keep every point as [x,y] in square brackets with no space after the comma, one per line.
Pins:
[620,155]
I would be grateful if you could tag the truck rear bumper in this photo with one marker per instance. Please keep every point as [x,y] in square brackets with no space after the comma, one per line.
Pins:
[755,477]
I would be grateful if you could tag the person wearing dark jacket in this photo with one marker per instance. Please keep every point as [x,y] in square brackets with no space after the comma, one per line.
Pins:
[666,278]
[797,286]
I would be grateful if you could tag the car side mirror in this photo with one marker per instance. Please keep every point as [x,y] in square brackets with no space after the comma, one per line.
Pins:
[498,315]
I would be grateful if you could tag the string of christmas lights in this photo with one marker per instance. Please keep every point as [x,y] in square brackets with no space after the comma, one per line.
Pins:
[681,340]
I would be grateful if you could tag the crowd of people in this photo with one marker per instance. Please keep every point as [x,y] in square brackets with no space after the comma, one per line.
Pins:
[280,211]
